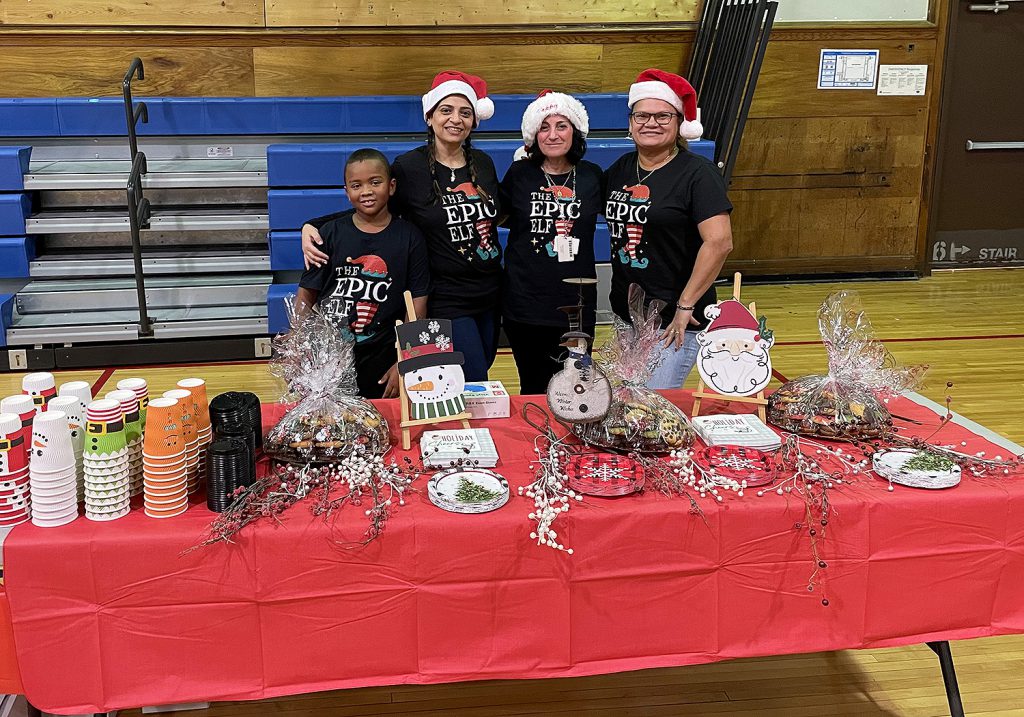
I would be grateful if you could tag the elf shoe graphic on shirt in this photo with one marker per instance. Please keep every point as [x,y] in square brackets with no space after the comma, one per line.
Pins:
[486,249]
[638,194]
[371,266]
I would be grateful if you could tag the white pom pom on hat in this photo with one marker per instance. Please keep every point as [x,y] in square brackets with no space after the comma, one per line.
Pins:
[655,84]
[453,82]
[553,103]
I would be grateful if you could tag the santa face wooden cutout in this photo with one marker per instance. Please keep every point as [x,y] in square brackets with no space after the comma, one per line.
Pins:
[430,369]
[733,356]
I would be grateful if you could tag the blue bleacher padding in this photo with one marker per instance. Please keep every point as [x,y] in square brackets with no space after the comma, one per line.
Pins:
[286,251]
[291,208]
[29,118]
[13,168]
[323,165]
[277,315]
[6,312]
[16,253]
[104,116]
[13,210]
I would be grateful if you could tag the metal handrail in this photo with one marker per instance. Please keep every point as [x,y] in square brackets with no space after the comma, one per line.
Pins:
[133,112]
[138,219]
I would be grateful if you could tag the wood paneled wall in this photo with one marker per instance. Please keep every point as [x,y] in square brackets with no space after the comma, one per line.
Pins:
[826,181]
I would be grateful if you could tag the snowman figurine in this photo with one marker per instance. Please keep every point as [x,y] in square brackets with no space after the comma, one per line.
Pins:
[430,369]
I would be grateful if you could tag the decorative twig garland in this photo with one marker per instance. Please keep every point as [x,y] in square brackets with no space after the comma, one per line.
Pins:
[550,489]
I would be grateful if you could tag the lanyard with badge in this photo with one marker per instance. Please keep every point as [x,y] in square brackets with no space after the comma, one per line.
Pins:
[566,246]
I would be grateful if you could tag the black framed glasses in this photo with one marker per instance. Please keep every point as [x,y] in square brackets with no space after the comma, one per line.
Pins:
[662,118]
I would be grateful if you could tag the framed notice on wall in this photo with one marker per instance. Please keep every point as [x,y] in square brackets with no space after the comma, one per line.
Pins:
[847,69]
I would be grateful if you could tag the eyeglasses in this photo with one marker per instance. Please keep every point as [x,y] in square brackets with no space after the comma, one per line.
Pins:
[662,118]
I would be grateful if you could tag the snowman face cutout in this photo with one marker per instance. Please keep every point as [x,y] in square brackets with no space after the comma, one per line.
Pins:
[39,444]
[431,384]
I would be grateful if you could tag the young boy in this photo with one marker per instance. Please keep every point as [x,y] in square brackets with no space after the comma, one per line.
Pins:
[373,259]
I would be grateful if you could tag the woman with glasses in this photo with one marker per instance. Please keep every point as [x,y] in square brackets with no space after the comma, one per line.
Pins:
[552,198]
[449,190]
[668,216]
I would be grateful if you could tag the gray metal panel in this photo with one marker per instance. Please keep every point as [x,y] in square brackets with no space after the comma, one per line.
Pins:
[186,263]
[222,327]
[48,181]
[55,300]
[72,334]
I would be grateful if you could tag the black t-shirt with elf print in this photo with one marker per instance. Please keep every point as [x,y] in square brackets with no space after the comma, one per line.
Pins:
[362,283]
[538,214]
[460,227]
[653,227]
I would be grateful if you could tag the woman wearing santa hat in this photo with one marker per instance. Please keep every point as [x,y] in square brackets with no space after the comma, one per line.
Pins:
[449,190]
[551,198]
[668,216]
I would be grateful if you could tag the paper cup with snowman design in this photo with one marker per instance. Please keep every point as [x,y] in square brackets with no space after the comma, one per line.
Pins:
[52,448]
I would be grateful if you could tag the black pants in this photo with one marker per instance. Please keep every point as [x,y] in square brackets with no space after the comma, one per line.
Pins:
[538,353]
[373,359]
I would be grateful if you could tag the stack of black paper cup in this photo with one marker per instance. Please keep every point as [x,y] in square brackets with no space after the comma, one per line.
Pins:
[227,466]
[242,432]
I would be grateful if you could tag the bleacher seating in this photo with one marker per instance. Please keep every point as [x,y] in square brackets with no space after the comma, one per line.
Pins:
[210,160]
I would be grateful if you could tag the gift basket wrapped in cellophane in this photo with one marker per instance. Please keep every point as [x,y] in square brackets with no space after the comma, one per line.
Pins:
[848,402]
[639,418]
[329,421]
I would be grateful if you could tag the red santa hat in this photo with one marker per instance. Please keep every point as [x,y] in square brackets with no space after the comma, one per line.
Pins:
[654,84]
[730,314]
[553,103]
[452,82]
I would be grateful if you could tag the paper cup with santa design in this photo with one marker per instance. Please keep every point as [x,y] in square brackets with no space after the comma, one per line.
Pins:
[13,446]
[25,408]
[41,387]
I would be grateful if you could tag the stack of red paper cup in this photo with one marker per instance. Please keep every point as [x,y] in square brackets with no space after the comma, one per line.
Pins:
[15,494]
[133,433]
[53,479]
[71,407]
[141,390]
[165,477]
[106,461]
[189,435]
[40,386]
[201,413]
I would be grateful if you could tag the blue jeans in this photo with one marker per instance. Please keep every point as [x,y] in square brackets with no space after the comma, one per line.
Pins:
[477,338]
[675,365]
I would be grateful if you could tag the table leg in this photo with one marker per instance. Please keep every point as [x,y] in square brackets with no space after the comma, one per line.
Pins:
[941,648]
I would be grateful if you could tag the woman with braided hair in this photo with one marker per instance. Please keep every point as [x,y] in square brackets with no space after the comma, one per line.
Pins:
[449,190]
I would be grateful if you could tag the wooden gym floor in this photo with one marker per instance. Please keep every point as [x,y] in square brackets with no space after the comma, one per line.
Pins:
[968,326]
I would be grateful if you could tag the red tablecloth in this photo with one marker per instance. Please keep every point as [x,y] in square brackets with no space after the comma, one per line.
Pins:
[112,616]
[10,677]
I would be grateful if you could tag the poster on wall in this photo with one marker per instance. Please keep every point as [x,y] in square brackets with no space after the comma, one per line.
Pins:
[847,69]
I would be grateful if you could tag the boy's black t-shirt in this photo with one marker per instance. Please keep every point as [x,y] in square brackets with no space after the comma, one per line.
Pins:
[537,215]
[362,283]
[653,227]
[460,228]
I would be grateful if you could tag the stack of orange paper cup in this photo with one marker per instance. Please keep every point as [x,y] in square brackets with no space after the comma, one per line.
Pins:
[15,491]
[133,433]
[165,478]
[204,430]
[190,435]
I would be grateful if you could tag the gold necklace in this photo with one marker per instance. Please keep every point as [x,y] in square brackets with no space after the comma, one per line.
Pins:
[671,156]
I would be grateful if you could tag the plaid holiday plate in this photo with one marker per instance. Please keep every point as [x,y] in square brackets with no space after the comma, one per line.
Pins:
[440,449]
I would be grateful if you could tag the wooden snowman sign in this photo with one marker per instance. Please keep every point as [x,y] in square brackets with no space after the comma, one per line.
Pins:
[432,378]
[580,392]
[733,356]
